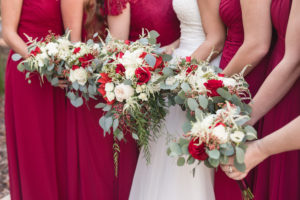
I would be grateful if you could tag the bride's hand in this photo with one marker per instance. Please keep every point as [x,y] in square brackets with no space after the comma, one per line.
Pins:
[169,49]
[253,156]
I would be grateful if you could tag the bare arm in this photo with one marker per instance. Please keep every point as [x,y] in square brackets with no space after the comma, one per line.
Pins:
[72,13]
[285,139]
[257,36]
[213,28]
[11,11]
[119,25]
[286,73]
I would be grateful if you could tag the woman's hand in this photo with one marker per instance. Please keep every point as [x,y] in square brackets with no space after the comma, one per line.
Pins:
[63,83]
[169,49]
[253,156]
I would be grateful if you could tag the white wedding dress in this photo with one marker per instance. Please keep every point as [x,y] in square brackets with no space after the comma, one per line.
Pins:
[162,179]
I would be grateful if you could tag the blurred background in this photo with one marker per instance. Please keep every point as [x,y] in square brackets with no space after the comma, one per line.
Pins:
[3,156]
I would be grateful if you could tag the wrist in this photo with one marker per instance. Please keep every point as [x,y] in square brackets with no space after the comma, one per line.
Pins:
[263,148]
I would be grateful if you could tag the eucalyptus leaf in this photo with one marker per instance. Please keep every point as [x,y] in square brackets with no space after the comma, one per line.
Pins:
[127,82]
[168,71]
[135,136]
[71,95]
[175,148]
[179,100]
[186,127]
[185,149]
[203,101]
[51,67]
[100,105]
[185,87]
[16,57]
[54,81]
[166,57]
[150,59]
[180,161]
[240,155]
[75,85]
[224,93]
[240,167]
[199,114]
[191,160]
[192,103]
[154,34]
[21,67]
[107,108]
[115,124]
[214,154]
[213,162]
[77,102]
[108,123]
[224,159]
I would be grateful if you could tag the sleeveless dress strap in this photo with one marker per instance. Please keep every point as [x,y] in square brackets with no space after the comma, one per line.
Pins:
[116,7]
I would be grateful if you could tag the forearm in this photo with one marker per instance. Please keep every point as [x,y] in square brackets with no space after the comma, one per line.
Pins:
[15,42]
[72,13]
[208,48]
[249,54]
[119,26]
[276,86]
[285,139]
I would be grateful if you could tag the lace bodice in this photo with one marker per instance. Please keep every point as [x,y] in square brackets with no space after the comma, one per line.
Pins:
[192,33]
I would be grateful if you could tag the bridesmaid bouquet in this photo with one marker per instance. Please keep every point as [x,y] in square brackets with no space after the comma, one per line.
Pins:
[198,87]
[214,138]
[129,82]
[56,58]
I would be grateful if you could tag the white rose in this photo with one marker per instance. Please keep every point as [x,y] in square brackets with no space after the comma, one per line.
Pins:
[52,48]
[110,96]
[96,47]
[79,75]
[131,60]
[109,87]
[229,82]
[171,81]
[143,97]
[203,126]
[130,72]
[155,77]
[221,133]
[64,44]
[138,89]
[123,92]
[237,136]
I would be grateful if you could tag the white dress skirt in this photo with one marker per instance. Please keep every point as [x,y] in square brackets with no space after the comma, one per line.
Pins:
[162,179]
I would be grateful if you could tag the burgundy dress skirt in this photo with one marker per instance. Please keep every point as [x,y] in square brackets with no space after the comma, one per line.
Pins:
[278,177]
[230,12]
[35,116]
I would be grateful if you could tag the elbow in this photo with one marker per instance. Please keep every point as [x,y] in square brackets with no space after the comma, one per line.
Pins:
[216,43]
[258,49]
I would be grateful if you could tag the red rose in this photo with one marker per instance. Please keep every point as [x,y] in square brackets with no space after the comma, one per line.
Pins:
[143,74]
[190,69]
[188,59]
[86,60]
[220,123]
[221,75]
[143,55]
[120,69]
[197,150]
[159,63]
[212,86]
[127,42]
[36,51]
[104,78]
[120,55]
[75,67]
[76,50]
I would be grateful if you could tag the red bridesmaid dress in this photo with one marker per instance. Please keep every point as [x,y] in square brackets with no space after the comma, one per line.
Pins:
[35,116]
[279,176]
[153,15]
[231,14]
[90,174]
